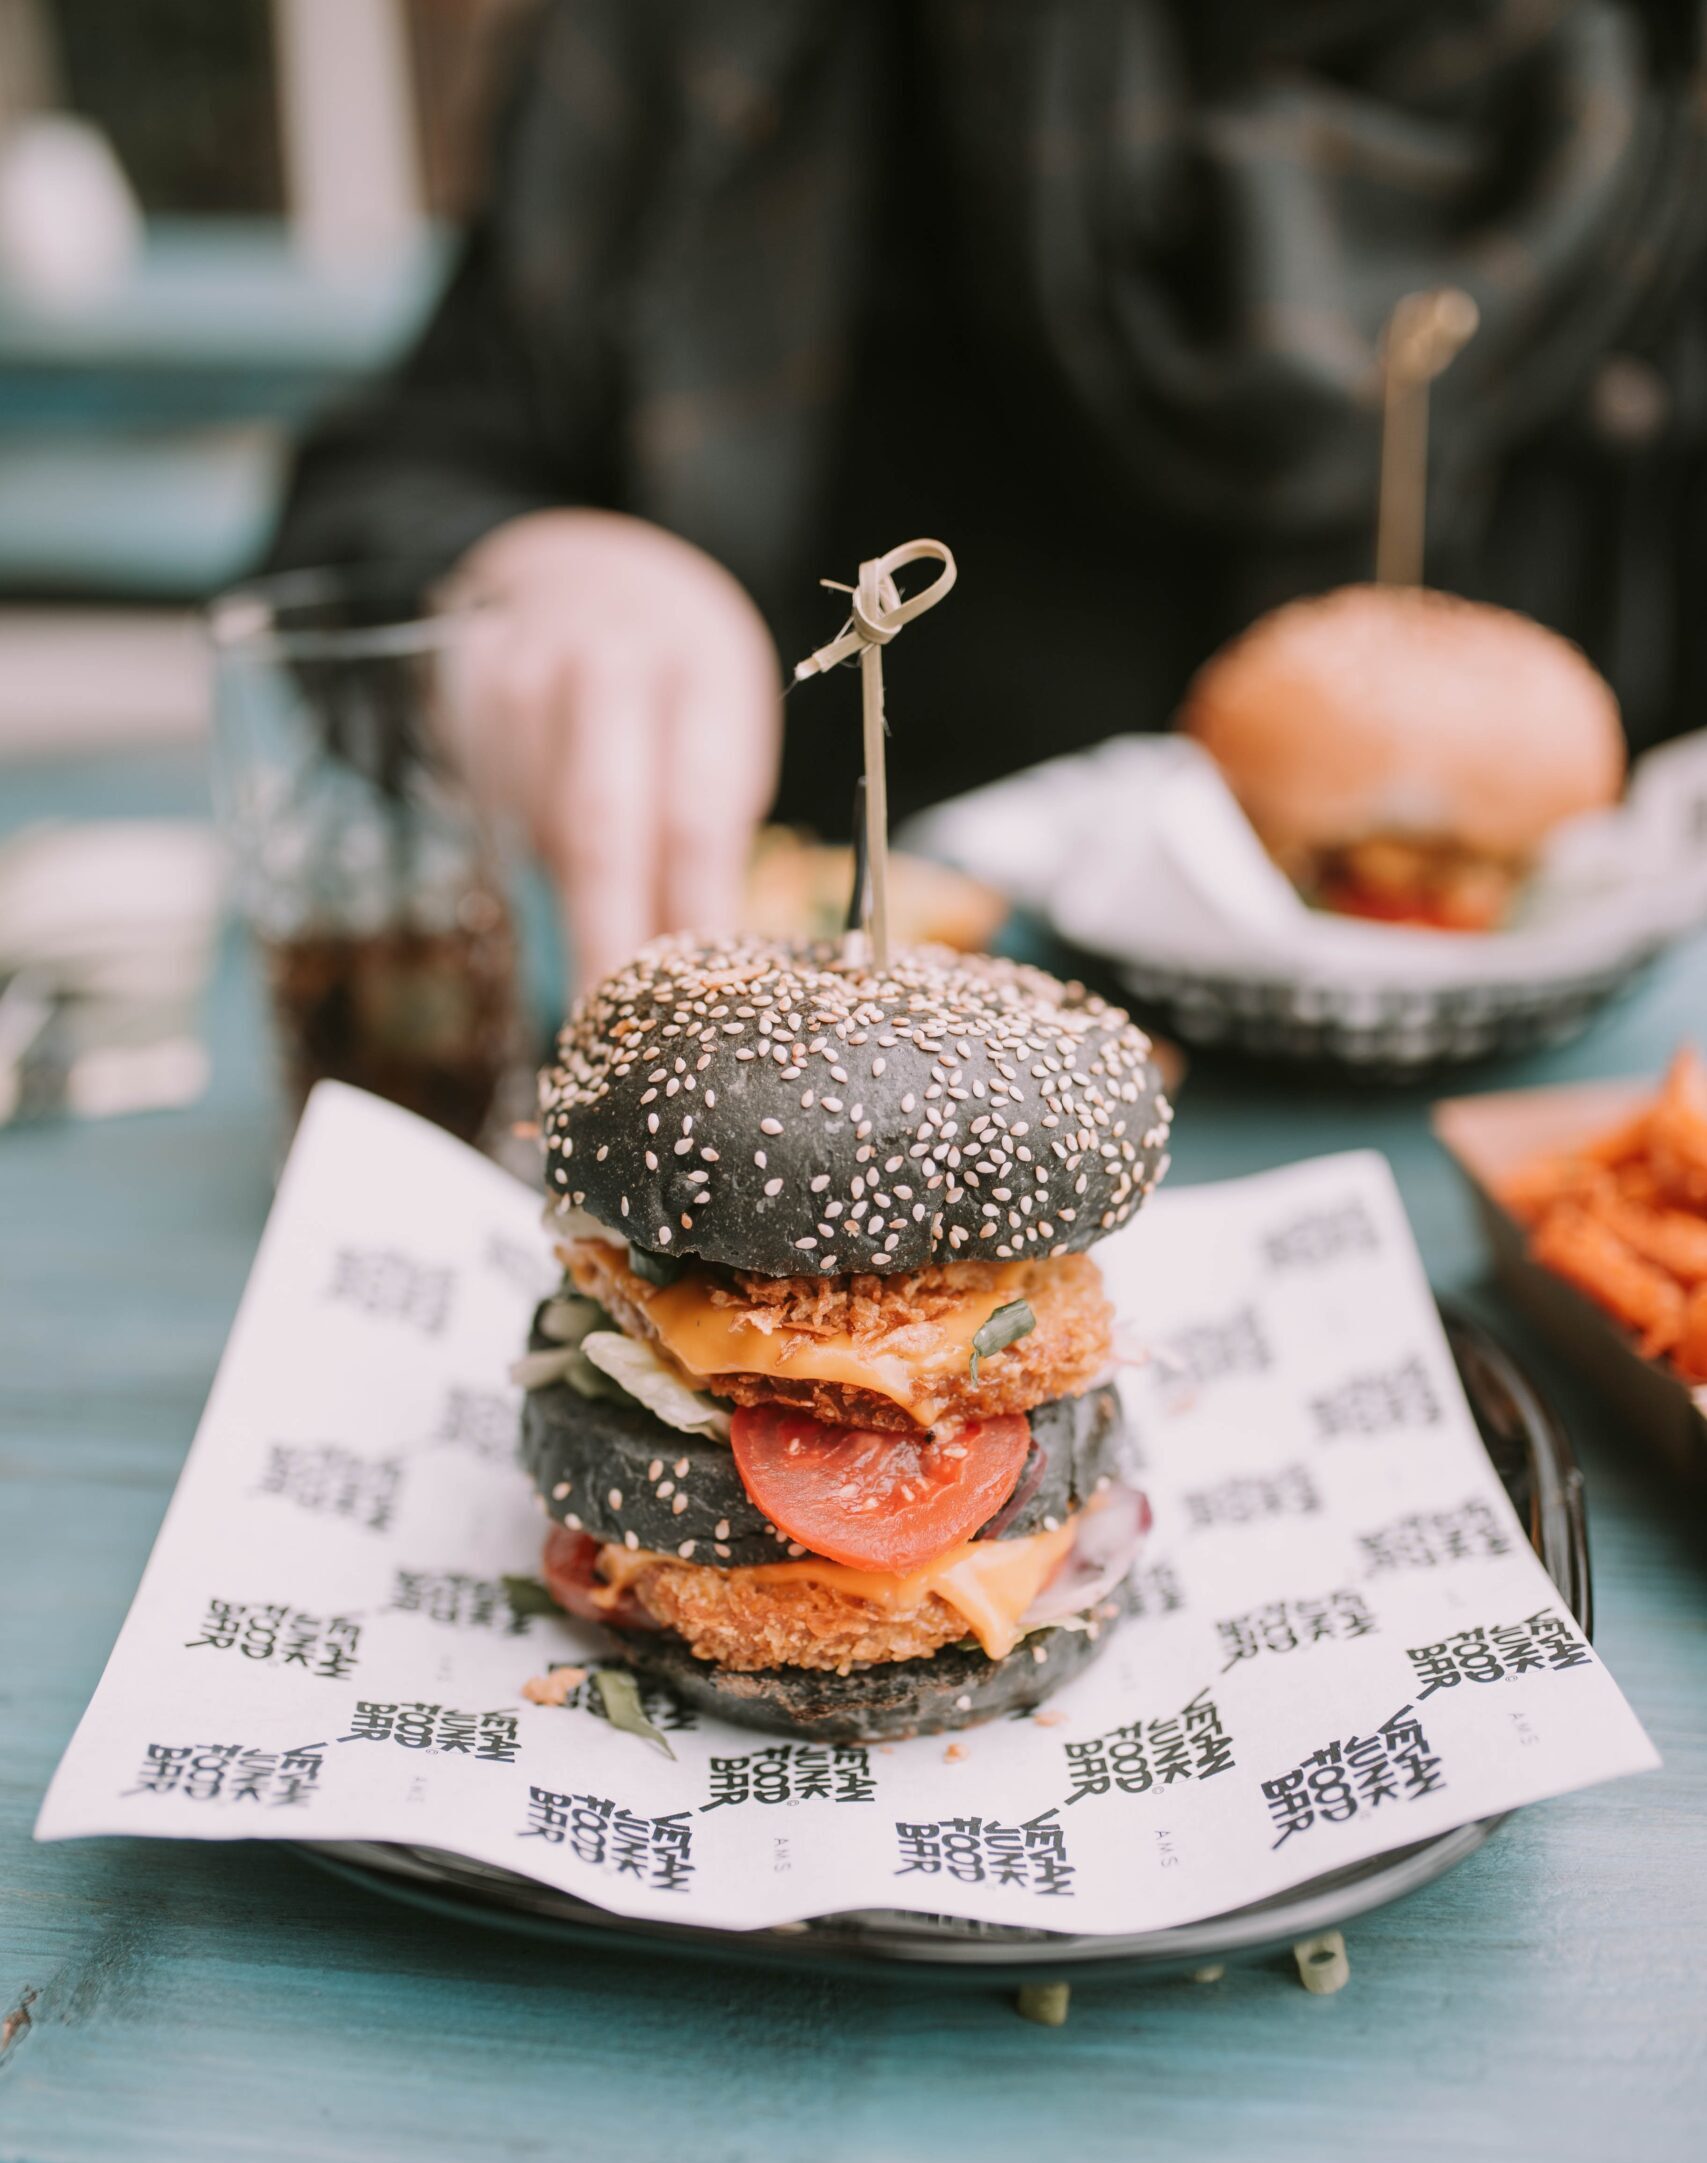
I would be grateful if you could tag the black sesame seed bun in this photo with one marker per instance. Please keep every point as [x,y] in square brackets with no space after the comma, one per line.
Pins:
[613,1469]
[954,1688]
[773,1108]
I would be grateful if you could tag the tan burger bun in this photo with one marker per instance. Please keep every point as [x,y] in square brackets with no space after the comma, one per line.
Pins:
[1391,712]
[797,888]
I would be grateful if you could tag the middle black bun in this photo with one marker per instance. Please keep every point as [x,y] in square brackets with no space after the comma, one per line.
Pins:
[774,1108]
[613,1469]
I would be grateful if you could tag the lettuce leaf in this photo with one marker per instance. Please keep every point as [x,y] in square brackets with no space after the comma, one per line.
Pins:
[637,1368]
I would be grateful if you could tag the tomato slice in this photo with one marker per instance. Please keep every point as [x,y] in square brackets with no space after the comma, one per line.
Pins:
[871,1500]
[1345,898]
[571,1577]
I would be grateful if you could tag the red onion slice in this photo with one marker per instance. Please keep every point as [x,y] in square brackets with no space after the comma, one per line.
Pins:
[1109,1530]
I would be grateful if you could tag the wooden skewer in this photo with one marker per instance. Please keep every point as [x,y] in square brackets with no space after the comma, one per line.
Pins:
[1425,333]
[878,614]
[859,895]
[873,730]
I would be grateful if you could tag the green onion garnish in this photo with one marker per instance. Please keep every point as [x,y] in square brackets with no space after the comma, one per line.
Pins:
[619,1694]
[527,1596]
[1006,1326]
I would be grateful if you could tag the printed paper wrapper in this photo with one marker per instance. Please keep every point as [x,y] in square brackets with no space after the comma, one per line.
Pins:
[1137,851]
[1342,1642]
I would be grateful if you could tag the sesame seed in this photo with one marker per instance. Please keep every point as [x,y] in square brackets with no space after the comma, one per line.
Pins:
[614,1498]
[679,1504]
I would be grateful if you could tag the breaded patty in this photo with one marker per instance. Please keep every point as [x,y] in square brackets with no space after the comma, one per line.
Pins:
[746,1623]
[895,1317]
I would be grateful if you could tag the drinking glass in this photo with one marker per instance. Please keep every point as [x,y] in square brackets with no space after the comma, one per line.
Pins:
[375,887]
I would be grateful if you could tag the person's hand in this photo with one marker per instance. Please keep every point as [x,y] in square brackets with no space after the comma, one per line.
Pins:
[622,701]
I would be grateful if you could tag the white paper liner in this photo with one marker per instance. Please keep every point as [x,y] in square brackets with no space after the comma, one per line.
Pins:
[321,1647]
[1137,851]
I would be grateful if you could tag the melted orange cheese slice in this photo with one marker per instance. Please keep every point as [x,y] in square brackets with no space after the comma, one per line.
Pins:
[989,1583]
[904,1365]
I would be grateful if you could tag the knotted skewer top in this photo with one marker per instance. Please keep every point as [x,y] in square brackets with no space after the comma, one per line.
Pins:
[878,612]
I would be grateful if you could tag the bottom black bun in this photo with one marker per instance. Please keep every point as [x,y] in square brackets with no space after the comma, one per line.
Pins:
[956,1687]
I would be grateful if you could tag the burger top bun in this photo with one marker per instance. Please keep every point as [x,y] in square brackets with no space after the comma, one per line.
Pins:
[1396,710]
[773,1108]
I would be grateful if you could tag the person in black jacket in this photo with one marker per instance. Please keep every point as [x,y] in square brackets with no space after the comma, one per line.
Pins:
[1092,290]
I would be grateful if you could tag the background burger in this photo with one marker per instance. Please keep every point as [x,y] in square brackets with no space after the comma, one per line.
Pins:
[820,1414]
[1403,754]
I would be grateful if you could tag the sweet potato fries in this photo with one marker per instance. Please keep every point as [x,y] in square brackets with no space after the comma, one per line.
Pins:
[1623,1217]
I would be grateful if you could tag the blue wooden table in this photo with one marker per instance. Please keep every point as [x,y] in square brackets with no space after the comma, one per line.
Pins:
[196,2002]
